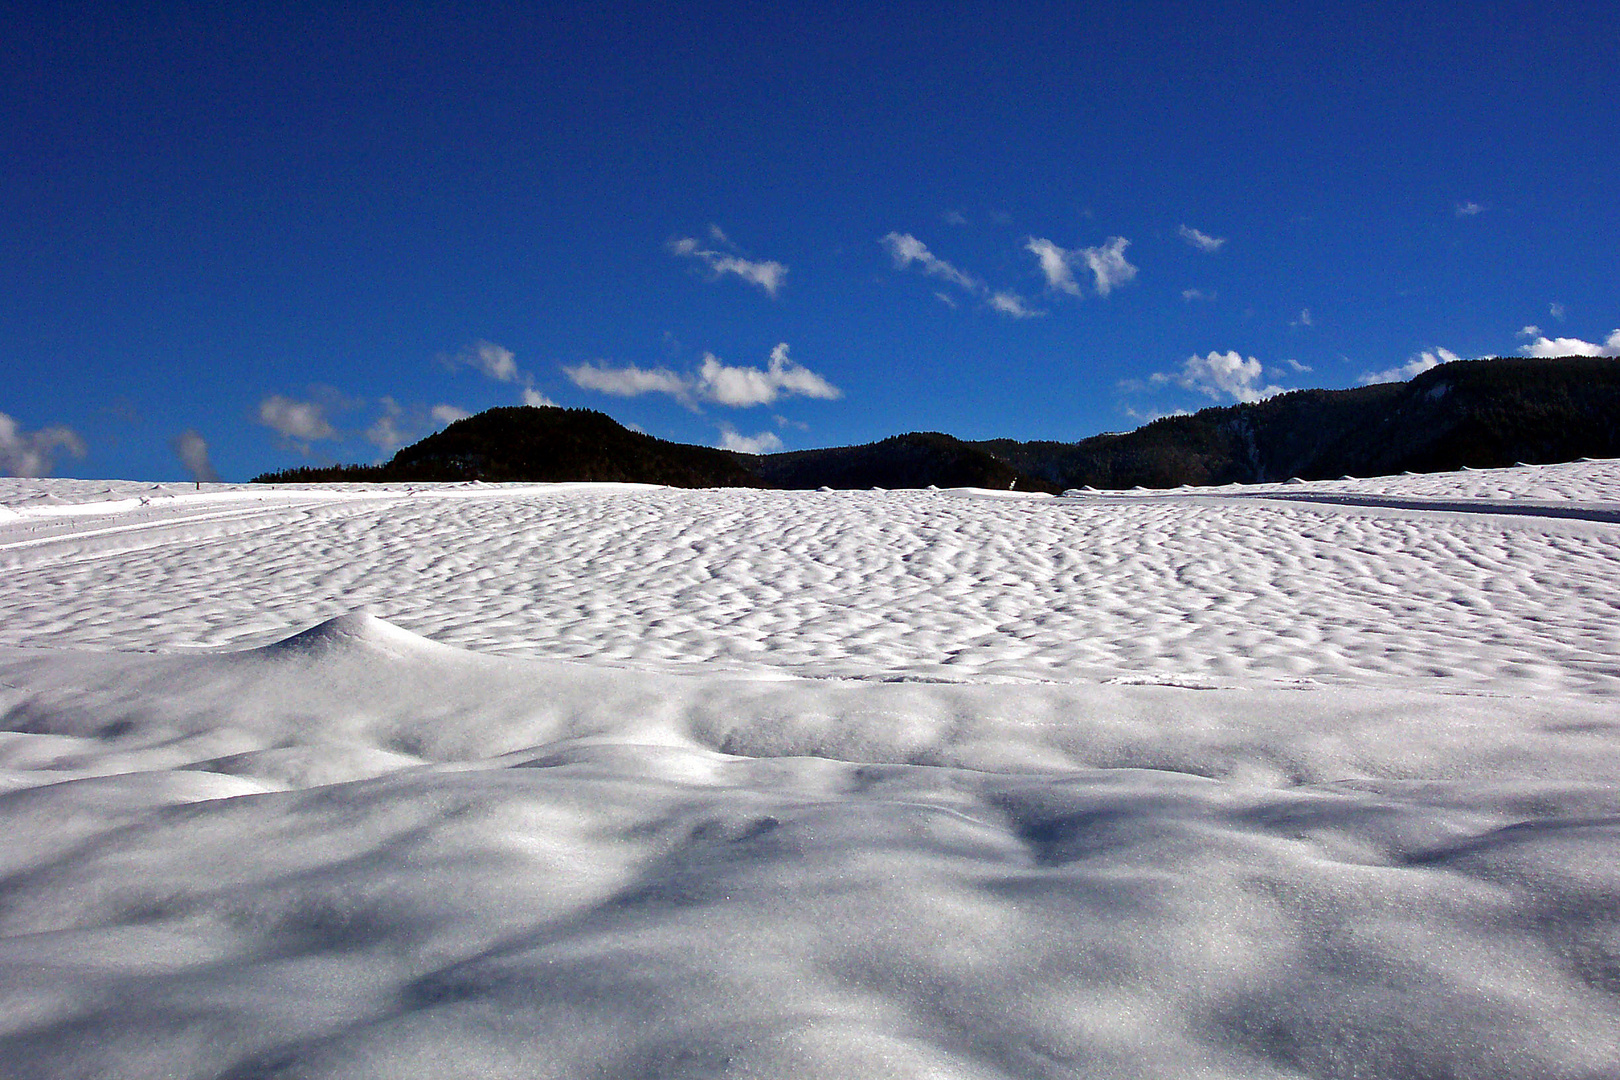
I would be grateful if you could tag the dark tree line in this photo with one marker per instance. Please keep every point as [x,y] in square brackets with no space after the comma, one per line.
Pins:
[1480,413]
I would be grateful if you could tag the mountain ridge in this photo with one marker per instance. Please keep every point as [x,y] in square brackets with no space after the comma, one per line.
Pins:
[1471,413]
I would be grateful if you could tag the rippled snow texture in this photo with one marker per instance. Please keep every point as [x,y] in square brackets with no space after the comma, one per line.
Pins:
[752,784]
[855,583]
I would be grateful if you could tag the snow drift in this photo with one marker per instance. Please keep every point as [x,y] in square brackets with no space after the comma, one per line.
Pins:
[792,841]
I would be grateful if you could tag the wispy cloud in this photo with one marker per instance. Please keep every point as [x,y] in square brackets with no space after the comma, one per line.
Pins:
[1556,310]
[495,361]
[1298,368]
[1221,375]
[1201,240]
[301,421]
[714,381]
[765,442]
[1108,264]
[768,274]
[1304,318]
[1055,264]
[954,217]
[448,414]
[33,453]
[500,363]
[906,249]
[1529,331]
[1468,208]
[192,450]
[1190,295]
[1420,363]
[1564,346]
[628,380]
[1012,304]
[385,432]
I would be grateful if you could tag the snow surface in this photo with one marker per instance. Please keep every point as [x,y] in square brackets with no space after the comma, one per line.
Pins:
[1306,780]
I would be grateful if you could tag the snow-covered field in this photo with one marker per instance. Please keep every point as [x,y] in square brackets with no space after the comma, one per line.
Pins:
[1305,780]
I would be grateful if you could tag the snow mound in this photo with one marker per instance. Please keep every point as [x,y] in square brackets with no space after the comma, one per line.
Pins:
[358,633]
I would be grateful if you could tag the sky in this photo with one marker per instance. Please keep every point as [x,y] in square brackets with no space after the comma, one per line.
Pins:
[239,238]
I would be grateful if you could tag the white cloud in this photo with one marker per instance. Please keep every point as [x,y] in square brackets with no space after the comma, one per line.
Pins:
[448,414]
[766,273]
[629,380]
[1556,310]
[500,364]
[744,386]
[1201,240]
[737,386]
[1468,209]
[1012,304]
[1299,368]
[715,381]
[1565,346]
[764,443]
[33,453]
[385,432]
[1221,375]
[1108,264]
[1054,262]
[906,249]
[304,421]
[1420,363]
[192,450]
[493,360]
[1190,295]
[1529,331]
[1304,318]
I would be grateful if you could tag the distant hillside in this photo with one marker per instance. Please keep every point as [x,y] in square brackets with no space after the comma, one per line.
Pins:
[917,460]
[541,444]
[552,444]
[1479,413]
[1476,413]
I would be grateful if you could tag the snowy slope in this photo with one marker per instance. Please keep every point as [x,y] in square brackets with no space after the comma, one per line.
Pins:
[594,780]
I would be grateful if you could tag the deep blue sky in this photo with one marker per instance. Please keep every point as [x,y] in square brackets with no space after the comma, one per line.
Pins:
[278,226]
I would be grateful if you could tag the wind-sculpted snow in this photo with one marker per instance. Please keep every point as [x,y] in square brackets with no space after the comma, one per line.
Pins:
[594,781]
[863,584]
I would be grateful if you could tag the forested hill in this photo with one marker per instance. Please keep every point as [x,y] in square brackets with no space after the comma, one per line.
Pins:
[552,444]
[1478,413]
[1475,413]
[542,444]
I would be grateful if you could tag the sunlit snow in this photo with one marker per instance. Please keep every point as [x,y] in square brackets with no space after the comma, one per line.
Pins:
[1300,780]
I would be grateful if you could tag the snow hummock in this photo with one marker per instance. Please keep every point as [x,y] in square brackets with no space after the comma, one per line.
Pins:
[1309,780]
[357,634]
